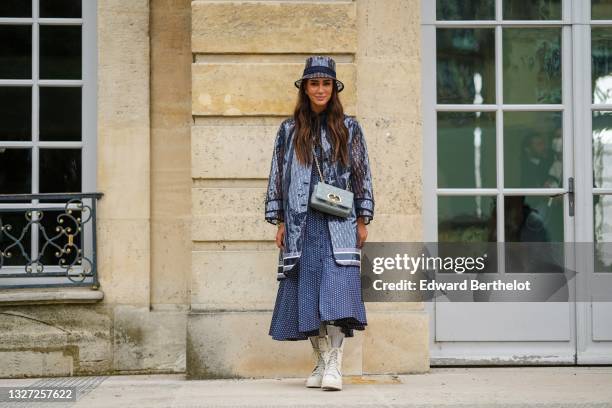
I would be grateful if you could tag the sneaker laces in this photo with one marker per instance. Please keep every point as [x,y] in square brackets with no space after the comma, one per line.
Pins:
[320,367]
[332,360]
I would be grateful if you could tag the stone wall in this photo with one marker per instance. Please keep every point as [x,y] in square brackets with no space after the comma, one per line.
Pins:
[143,219]
[190,95]
[246,57]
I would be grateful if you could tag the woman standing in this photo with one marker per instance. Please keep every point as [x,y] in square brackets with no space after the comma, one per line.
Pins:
[319,294]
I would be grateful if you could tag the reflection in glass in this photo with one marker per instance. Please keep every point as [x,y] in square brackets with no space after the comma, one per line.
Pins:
[15,8]
[601,64]
[14,254]
[602,231]
[60,8]
[601,10]
[15,113]
[15,52]
[59,219]
[60,170]
[60,114]
[533,219]
[465,65]
[532,65]
[60,52]
[602,149]
[466,150]
[533,150]
[466,219]
[15,171]
[465,10]
[532,10]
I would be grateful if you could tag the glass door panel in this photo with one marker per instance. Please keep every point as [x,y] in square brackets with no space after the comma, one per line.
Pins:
[503,153]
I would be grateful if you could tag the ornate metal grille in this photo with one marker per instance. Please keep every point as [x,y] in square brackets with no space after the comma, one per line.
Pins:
[48,243]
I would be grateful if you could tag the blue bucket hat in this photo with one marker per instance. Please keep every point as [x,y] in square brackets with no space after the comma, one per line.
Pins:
[320,66]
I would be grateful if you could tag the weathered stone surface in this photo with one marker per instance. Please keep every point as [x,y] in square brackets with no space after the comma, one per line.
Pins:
[147,340]
[237,344]
[51,340]
[396,342]
[214,152]
[33,363]
[170,150]
[237,89]
[143,146]
[123,260]
[234,280]
[123,146]
[49,295]
[233,214]
[273,27]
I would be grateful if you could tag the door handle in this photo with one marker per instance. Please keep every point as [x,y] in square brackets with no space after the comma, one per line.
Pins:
[570,196]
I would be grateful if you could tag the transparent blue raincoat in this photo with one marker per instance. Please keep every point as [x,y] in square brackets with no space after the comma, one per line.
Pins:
[288,187]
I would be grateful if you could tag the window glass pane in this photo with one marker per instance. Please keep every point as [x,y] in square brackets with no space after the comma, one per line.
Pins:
[48,246]
[60,114]
[60,52]
[15,52]
[15,171]
[601,10]
[60,170]
[533,149]
[466,150]
[532,10]
[602,149]
[60,8]
[15,8]
[15,113]
[465,64]
[465,10]
[601,64]
[13,224]
[467,219]
[533,219]
[602,229]
[532,65]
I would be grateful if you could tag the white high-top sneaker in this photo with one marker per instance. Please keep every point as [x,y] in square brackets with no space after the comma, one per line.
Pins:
[315,378]
[332,377]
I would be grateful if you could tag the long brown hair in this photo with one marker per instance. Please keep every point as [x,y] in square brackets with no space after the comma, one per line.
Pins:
[307,127]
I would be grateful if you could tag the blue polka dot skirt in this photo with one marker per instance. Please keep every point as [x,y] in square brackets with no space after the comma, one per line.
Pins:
[317,290]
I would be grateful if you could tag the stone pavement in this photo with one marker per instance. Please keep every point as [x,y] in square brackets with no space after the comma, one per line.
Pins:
[441,387]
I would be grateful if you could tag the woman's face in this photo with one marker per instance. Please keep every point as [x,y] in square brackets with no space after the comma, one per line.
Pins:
[319,91]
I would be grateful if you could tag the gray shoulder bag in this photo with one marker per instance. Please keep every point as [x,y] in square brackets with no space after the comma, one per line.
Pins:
[330,199]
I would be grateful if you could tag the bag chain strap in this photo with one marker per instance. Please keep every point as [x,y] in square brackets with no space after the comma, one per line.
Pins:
[348,183]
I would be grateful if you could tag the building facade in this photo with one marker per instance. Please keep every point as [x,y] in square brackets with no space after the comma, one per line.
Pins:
[168,109]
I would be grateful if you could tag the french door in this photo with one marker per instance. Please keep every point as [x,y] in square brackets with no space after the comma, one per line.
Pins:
[517,98]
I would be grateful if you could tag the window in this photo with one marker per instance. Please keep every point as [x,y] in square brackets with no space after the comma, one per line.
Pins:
[47,134]
[498,120]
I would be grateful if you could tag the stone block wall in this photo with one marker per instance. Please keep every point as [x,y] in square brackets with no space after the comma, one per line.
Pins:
[246,57]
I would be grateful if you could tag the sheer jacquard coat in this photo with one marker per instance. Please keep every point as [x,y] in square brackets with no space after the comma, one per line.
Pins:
[288,186]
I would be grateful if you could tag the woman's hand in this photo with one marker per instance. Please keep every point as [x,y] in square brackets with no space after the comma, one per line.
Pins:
[362,232]
[280,236]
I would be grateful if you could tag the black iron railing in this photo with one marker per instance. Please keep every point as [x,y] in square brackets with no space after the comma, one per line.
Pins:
[48,240]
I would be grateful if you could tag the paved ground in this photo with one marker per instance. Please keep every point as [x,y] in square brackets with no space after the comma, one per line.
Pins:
[441,387]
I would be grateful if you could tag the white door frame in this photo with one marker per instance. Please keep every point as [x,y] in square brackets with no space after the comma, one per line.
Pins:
[588,351]
[573,12]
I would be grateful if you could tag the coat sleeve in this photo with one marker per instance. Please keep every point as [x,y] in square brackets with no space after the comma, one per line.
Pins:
[361,177]
[274,195]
